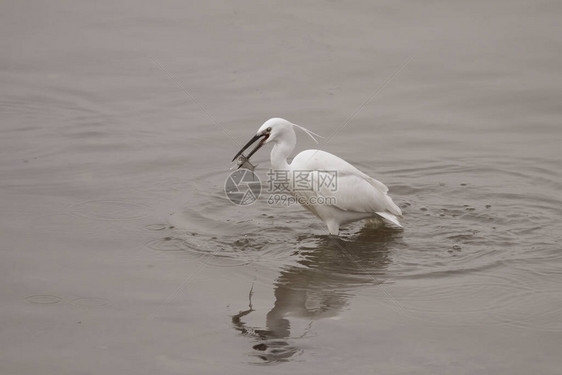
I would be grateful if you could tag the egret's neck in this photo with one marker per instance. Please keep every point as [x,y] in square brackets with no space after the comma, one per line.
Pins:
[281,151]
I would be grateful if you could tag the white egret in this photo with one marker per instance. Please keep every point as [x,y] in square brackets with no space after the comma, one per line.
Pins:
[354,195]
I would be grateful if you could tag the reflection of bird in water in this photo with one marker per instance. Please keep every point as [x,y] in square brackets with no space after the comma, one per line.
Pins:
[317,287]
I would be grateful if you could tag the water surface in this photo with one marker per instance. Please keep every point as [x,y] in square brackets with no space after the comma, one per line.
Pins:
[121,253]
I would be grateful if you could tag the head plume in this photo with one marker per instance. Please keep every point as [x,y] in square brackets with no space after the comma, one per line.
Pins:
[310,133]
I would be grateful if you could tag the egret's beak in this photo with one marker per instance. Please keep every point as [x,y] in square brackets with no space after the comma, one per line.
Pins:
[258,146]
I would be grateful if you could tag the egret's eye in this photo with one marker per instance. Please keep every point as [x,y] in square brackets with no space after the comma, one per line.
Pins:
[268,130]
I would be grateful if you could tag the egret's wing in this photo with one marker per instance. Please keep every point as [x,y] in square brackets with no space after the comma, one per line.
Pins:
[355,191]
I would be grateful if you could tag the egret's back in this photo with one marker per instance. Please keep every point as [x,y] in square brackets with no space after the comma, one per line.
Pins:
[355,191]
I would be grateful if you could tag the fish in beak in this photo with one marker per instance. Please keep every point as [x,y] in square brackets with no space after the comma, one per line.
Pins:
[244,161]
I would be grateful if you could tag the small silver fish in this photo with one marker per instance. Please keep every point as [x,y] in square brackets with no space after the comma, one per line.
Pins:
[244,162]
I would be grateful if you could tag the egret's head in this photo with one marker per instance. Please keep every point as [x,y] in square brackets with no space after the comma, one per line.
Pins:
[273,130]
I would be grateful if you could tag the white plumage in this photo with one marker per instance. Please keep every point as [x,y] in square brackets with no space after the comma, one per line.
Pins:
[355,196]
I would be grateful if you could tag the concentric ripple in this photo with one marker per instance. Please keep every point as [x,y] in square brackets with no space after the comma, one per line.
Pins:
[448,266]
[223,234]
[43,299]
[462,240]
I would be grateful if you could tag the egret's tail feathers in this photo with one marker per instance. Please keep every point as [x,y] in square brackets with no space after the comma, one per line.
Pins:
[389,218]
[394,209]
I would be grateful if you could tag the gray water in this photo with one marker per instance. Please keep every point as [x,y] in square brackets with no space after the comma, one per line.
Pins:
[120,253]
